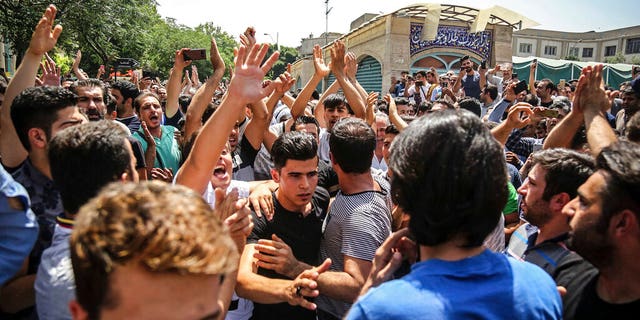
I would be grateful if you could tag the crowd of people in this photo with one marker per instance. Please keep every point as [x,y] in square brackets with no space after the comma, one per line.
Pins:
[469,195]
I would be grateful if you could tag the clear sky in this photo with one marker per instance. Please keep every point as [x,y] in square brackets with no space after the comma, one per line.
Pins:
[289,21]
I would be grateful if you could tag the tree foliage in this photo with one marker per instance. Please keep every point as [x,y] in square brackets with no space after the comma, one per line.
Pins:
[107,30]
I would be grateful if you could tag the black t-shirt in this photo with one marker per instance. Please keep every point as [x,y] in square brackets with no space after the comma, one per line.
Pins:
[133,123]
[243,158]
[327,178]
[582,301]
[302,234]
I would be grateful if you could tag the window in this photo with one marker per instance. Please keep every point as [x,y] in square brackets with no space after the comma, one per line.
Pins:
[633,46]
[610,51]
[587,52]
[550,50]
[573,51]
[525,48]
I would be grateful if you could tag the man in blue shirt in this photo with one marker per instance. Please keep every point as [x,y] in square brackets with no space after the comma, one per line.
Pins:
[456,277]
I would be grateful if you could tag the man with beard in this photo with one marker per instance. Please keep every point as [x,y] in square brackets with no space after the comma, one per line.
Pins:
[605,223]
[125,92]
[630,105]
[552,182]
[92,98]
[471,81]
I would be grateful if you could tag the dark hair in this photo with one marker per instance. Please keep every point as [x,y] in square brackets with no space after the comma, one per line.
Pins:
[629,90]
[293,145]
[91,83]
[352,142]
[305,120]
[464,58]
[531,99]
[138,100]
[445,102]
[619,161]
[184,101]
[315,95]
[401,101]
[208,112]
[3,86]
[565,170]
[85,158]
[450,176]
[37,107]
[391,129]
[472,104]
[127,89]
[492,91]
[422,73]
[548,84]
[335,100]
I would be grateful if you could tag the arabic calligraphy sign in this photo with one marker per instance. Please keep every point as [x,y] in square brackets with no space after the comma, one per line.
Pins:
[452,37]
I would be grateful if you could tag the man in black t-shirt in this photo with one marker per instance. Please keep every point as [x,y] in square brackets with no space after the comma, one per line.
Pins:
[293,233]
[605,223]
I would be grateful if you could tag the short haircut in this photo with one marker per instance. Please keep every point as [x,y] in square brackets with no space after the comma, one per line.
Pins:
[472,104]
[531,99]
[352,142]
[305,120]
[85,158]
[37,107]
[162,227]
[565,170]
[619,161]
[315,95]
[548,84]
[383,116]
[464,58]
[91,83]
[629,91]
[138,100]
[335,100]
[3,86]
[445,102]
[293,145]
[422,73]
[450,176]
[401,101]
[391,129]
[492,91]
[127,89]
[184,101]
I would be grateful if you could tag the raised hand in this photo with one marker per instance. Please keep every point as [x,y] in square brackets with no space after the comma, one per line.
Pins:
[592,96]
[246,84]
[215,57]
[391,102]
[179,61]
[337,58]
[50,72]
[45,36]
[163,174]
[76,61]
[519,115]
[350,65]
[283,83]
[321,68]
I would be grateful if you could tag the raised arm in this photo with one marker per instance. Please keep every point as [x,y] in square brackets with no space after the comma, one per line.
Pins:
[519,116]
[245,88]
[351,69]
[318,112]
[532,78]
[174,85]
[370,117]
[321,71]
[199,102]
[594,102]
[562,134]
[350,92]
[76,67]
[44,38]
[394,117]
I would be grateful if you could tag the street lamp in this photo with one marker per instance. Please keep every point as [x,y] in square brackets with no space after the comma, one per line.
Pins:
[277,39]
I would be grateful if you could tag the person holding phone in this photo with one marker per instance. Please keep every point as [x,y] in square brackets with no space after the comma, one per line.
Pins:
[470,80]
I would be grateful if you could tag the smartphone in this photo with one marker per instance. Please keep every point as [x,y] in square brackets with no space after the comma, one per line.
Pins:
[548,113]
[445,84]
[194,54]
[535,60]
[483,65]
[419,83]
[562,83]
[520,86]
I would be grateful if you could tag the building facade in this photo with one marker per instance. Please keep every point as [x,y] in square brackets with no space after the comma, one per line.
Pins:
[581,46]
[385,45]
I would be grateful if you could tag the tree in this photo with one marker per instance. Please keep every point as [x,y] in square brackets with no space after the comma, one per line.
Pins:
[618,58]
